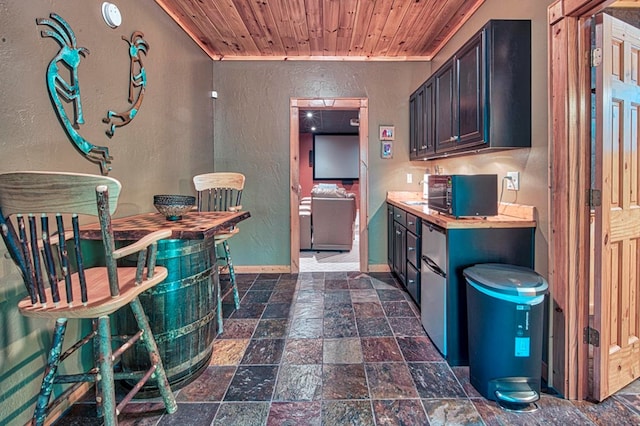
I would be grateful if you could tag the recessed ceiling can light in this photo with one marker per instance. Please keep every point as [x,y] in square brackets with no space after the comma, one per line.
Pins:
[313,129]
[111,15]
[309,114]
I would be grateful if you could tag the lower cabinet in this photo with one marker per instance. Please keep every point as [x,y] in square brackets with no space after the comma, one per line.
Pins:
[403,245]
[467,247]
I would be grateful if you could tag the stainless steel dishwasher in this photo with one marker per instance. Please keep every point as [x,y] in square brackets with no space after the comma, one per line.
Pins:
[433,278]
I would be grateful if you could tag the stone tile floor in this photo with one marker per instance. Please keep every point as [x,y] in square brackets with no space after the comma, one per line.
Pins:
[338,348]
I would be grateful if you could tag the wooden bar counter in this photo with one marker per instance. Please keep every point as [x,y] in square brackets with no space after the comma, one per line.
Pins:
[193,225]
[182,309]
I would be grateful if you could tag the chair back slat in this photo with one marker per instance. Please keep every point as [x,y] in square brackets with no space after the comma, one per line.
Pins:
[11,240]
[35,255]
[28,276]
[48,259]
[64,259]
[75,224]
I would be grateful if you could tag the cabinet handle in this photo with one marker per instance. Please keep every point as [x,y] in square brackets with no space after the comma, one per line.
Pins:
[411,248]
[410,223]
[398,233]
[398,215]
[411,281]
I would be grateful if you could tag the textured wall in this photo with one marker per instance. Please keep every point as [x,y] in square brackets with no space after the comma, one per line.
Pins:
[532,163]
[169,141]
[252,137]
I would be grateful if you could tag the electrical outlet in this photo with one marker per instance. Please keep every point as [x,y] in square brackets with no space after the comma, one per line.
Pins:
[513,181]
[409,178]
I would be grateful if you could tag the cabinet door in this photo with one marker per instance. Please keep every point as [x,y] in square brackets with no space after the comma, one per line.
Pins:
[428,134]
[413,148]
[444,108]
[413,283]
[399,252]
[390,234]
[413,249]
[470,78]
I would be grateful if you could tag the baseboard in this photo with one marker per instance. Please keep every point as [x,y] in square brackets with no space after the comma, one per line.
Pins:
[286,269]
[262,269]
[379,268]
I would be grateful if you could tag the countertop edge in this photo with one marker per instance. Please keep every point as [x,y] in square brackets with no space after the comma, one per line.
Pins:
[447,222]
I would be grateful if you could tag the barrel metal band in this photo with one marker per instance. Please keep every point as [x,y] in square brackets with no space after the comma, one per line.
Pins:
[185,330]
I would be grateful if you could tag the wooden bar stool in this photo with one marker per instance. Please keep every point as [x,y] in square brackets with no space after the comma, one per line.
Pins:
[34,211]
[221,192]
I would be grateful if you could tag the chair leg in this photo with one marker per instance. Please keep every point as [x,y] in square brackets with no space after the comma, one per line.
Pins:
[232,274]
[105,374]
[154,354]
[97,385]
[50,372]
[216,279]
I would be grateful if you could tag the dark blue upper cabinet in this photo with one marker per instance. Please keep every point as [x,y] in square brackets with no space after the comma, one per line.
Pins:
[481,96]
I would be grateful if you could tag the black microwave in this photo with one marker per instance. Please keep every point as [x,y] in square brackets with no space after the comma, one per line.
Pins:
[464,195]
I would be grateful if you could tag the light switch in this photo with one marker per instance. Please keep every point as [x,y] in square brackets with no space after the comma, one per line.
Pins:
[409,178]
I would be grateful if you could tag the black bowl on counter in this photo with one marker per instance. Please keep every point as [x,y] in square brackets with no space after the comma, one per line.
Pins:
[173,206]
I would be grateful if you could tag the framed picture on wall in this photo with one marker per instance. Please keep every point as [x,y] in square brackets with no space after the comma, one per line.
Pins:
[387,133]
[386,150]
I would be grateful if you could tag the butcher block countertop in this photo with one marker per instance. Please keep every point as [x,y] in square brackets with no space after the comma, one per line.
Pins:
[509,215]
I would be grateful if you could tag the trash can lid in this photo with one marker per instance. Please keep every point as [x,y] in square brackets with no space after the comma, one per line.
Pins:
[507,279]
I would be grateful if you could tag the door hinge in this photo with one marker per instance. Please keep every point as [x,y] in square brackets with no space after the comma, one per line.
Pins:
[591,336]
[594,197]
[596,57]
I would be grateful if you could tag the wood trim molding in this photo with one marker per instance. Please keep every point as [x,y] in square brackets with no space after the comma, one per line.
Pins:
[569,171]
[581,8]
[360,104]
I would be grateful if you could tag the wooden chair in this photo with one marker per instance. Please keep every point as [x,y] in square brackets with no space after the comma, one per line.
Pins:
[221,192]
[60,287]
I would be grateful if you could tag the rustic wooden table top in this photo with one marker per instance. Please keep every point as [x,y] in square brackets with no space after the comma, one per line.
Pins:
[193,225]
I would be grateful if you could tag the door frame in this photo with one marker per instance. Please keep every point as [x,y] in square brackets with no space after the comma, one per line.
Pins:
[360,104]
[569,97]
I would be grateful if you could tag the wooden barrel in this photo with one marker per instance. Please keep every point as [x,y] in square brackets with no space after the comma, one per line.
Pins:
[181,312]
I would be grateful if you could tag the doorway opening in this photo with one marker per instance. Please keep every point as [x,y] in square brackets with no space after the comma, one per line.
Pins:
[359,105]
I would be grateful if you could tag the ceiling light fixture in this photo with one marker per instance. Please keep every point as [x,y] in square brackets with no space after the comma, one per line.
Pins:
[309,114]
[313,128]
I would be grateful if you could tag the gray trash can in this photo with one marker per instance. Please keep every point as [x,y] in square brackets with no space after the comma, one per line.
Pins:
[505,312]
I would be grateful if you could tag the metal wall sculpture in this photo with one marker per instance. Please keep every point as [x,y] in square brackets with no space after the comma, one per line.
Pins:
[137,81]
[69,57]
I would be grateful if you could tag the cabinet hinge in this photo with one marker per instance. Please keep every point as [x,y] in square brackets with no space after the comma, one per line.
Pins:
[594,197]
[596,57]
[591,336]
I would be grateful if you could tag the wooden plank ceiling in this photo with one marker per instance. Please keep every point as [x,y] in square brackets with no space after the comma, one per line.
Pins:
[401,30]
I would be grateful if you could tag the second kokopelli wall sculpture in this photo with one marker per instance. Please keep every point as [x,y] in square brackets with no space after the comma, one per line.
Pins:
[137,82]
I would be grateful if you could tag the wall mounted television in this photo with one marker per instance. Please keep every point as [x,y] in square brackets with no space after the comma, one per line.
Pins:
[336,157]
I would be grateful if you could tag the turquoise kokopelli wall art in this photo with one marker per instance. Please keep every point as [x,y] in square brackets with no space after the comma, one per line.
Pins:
[137,82]
[68,59]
